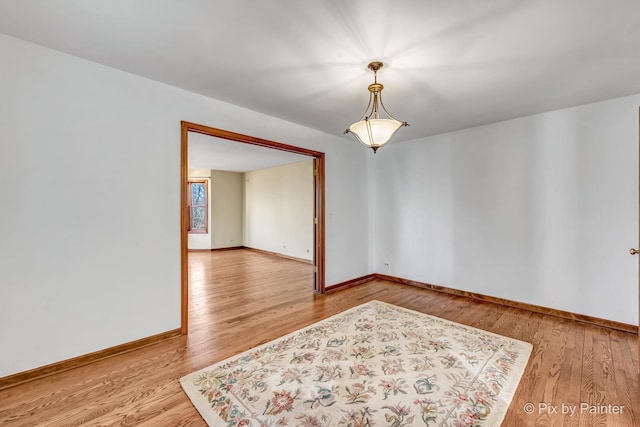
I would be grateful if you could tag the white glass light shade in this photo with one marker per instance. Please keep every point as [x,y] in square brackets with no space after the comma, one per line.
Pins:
[375,133]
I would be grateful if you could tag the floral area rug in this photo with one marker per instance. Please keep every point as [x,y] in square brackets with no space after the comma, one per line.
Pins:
[373,365]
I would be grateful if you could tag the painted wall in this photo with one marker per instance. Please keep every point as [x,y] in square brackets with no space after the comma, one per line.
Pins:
[279,209]
[227,199]
[540,209]
[201,240]
[90,258]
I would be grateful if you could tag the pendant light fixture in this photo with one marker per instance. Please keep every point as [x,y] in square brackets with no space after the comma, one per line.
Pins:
[371,130]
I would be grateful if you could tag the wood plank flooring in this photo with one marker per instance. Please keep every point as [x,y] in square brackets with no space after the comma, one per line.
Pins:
[240,299]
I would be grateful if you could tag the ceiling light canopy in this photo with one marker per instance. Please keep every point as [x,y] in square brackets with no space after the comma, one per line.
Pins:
[372,130]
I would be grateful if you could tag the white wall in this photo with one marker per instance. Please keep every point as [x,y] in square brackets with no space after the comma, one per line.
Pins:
[540,209]
[227,198]
[279,209]
[90,211]
[201,240]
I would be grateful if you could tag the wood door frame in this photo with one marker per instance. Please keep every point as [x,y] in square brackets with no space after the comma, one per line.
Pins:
[319,228]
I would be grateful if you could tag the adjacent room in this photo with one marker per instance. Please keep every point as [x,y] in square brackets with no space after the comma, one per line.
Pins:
[200,226]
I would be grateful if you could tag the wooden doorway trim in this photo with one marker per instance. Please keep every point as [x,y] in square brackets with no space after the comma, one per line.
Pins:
[319,245]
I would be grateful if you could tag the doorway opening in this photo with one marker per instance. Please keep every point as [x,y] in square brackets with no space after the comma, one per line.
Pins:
[318,188]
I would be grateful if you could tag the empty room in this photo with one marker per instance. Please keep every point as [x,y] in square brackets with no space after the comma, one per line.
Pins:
[319,213]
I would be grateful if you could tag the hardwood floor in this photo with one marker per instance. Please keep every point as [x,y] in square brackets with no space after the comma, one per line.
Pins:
[240,299]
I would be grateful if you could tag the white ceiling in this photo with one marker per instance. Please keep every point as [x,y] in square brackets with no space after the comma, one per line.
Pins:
[449,64]
[207,152]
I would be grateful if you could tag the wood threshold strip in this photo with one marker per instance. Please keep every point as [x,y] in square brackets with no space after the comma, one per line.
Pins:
[611,324]
[230,248]
[306,261]
[351,283]
[65,365]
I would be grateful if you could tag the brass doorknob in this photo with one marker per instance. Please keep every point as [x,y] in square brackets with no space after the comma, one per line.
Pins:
[634,251]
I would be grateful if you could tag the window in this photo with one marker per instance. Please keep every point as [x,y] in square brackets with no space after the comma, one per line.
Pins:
[198,209]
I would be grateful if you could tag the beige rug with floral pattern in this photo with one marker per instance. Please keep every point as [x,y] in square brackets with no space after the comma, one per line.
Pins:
[373,365]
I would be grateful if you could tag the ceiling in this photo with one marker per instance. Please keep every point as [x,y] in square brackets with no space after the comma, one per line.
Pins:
[208,152]
[448,64]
